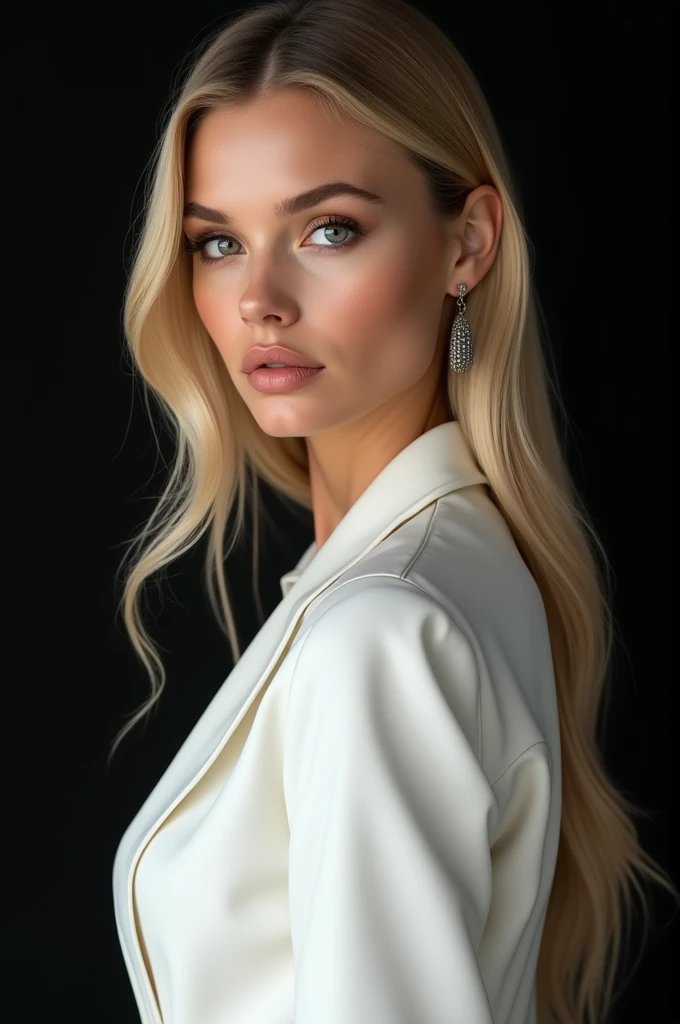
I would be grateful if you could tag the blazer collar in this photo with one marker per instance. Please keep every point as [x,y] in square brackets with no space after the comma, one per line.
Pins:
[438,461]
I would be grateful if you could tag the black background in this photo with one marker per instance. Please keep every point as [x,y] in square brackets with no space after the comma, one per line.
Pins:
[581,96]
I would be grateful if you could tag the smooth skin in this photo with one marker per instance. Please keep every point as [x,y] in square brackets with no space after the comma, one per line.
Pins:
[375,313]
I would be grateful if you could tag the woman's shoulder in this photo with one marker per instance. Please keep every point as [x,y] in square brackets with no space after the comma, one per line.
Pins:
[445,603]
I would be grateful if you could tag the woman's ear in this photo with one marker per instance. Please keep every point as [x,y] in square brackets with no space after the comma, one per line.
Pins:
[475,236]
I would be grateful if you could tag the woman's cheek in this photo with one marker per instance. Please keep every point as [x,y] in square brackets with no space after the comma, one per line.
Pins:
[376,299]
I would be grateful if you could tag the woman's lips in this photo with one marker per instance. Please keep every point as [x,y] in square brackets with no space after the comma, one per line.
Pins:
[259,355]
[283,378]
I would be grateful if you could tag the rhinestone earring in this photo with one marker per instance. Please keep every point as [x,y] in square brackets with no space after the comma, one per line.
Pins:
[460,350]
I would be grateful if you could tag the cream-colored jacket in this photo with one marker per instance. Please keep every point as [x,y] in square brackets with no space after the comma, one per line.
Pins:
[362,827]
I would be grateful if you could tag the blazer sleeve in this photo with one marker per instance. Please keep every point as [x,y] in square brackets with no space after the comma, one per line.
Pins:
[390,814]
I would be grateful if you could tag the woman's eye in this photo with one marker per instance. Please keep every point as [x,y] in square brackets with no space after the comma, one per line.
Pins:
[333,230]
[332,234]
[223,246]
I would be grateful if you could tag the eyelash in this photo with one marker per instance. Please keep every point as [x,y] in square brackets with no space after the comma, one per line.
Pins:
[198,244]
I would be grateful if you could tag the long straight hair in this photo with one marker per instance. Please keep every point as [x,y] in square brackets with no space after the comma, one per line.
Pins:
[388,66]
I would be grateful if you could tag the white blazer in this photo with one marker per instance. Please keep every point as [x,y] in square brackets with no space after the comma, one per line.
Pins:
[362,827]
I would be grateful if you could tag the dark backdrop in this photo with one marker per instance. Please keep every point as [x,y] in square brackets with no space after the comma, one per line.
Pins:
[581,95]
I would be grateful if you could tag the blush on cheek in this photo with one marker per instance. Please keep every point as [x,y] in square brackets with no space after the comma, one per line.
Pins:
[377,301]
[371,301]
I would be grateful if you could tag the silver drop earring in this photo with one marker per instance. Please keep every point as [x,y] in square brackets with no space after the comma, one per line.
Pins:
[460,350]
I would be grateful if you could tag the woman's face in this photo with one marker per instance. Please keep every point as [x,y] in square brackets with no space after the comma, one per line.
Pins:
[370,312]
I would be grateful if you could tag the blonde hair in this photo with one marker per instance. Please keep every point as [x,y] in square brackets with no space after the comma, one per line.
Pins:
[388,66]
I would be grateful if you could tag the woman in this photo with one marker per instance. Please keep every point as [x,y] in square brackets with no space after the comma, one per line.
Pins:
[393,810]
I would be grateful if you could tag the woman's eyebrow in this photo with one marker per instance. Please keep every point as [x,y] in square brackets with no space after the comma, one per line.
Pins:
[291,206]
